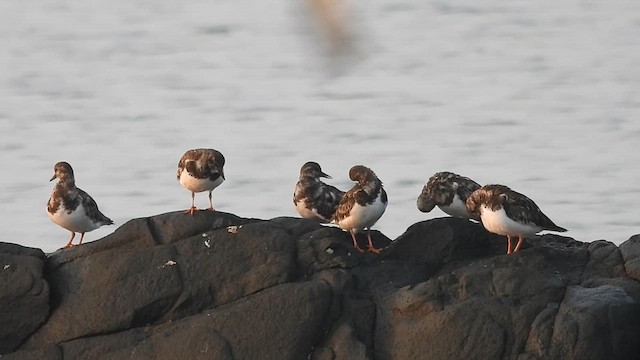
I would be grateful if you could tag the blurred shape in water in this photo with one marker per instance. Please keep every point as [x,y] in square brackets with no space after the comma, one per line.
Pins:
[334,22]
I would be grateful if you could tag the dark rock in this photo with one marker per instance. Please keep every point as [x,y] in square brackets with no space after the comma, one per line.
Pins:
[297,226]
[19,250]
[479,311]
[630,251]
[117,289]
[605,260]
[326,248]
[594,323]
[350,319]
[46,352]
[244,329]
[343,344]
[24,294]
[444,240]
[214,285]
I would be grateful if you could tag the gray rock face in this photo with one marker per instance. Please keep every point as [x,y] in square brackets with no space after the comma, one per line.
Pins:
[217,286]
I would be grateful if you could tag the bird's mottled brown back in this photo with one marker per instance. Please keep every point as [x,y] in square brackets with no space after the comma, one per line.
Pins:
[443,186]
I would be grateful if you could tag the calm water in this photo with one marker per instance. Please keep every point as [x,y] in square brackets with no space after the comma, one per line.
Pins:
[543,96]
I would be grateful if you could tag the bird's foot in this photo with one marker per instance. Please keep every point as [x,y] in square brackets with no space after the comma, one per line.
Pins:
[370,245]
[191,210]
[374,249]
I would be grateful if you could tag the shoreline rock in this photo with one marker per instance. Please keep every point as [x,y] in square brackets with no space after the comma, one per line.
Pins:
[215,285]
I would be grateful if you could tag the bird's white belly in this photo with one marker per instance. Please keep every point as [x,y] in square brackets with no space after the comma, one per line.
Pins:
[76,221]
[498,222]
[457,208]
[361,217]
[198,185]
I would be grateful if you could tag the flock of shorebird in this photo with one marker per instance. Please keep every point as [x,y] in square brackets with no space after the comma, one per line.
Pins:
[500,210]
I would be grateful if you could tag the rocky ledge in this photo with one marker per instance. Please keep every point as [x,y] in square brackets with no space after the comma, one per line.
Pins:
[217,286]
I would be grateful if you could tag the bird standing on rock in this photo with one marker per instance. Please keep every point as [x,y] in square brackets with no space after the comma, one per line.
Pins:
[362,206]
[507,212]
[313,198]
[71,207]
[200,170]
[449,192]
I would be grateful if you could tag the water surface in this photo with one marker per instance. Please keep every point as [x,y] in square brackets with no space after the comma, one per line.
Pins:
[541,96]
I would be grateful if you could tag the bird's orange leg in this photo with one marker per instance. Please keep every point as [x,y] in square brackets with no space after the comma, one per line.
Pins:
[69,244]
[508,244]
[355,242]
[520,239]
[372,248]
[193,208]
[210,208]
[81,238]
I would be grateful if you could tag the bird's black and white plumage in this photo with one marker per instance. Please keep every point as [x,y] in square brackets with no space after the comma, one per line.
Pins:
[449,192]
[507,212]
[362,206]
[312,198]
[71,207]
[200,170]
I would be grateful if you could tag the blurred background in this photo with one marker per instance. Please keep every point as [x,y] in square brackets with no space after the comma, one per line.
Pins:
[541,96]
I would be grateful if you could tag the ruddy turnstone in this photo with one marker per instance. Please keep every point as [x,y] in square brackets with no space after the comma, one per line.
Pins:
[200,170]
[449,191]
[506,212]
[71,207]
[362,206]
[313,198]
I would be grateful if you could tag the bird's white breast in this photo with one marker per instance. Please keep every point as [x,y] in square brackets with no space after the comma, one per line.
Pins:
[497,222]
[198,185]
[76,221]
[361,217]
